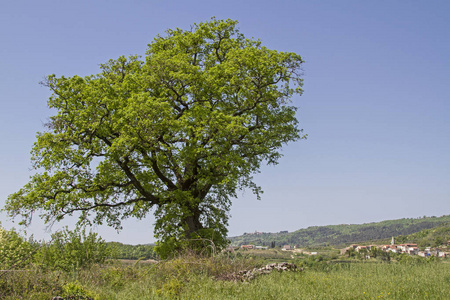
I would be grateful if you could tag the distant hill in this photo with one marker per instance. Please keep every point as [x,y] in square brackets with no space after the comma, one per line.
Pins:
[337,235]
[428,237]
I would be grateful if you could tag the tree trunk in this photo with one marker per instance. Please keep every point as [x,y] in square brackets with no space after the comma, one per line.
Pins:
[193,225]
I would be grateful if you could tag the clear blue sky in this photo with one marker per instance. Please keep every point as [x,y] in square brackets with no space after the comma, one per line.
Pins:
[376,103]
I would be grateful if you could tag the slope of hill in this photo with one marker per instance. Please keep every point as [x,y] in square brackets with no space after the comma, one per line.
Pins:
[434,237]
[344,233]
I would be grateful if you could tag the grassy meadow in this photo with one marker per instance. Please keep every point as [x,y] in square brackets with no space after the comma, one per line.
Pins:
[77,265]
[194,277]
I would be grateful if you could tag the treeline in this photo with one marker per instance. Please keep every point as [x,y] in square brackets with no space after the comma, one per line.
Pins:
[124,251]
[344,234]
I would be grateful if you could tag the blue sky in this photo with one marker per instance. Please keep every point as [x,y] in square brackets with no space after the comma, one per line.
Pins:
[376,103]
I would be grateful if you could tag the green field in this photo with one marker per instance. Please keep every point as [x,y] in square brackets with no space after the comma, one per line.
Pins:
[353,281]
[192,277]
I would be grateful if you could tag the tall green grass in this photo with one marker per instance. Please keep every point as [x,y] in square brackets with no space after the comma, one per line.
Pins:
[192,277]
[352,281]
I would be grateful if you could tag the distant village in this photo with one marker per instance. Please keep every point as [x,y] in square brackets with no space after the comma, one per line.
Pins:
[409,249]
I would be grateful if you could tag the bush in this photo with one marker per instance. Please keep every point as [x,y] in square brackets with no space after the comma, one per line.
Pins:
[15,251]
[20,284]
[72,250]
[74,290]
[413,260]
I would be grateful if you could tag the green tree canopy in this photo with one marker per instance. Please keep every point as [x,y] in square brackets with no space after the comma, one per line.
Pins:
[177,133]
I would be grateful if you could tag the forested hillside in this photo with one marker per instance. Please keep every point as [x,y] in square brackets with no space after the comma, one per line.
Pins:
[428,237]
[346,233]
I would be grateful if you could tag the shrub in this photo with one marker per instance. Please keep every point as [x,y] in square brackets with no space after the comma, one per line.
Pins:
[15,251]
[20,284]
[72,250]
[74,290]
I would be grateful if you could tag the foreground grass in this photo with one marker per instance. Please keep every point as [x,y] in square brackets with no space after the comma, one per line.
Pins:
[358,281]
[195,278]
[354,281]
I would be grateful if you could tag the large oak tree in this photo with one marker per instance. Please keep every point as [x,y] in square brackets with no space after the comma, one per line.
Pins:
[179,133]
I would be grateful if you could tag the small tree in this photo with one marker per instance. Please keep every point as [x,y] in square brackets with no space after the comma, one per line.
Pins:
[351,252]
[179,133]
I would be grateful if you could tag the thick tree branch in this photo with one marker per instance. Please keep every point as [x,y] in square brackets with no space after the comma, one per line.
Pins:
[154,164]
[97,205]
[124,166]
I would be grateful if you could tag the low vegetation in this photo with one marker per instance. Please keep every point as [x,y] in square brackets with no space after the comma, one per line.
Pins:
[193,277]
[80,265]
